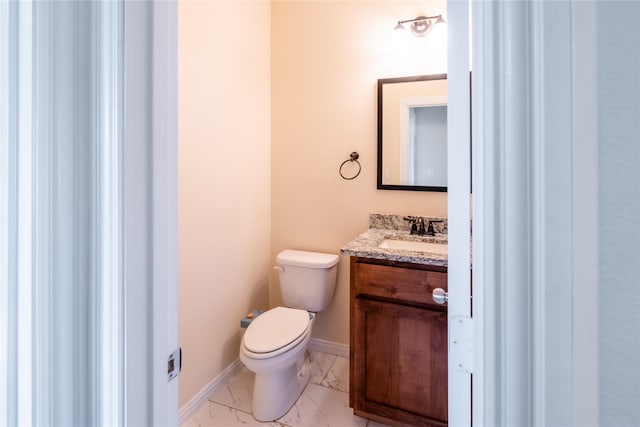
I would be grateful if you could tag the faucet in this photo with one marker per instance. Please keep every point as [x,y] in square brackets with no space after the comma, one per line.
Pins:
[417,226]
[430,230]
[412,220]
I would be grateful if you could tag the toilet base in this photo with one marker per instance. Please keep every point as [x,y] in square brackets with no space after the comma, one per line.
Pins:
[275,394]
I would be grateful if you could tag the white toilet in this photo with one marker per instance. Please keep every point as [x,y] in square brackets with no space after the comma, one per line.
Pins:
[274,344]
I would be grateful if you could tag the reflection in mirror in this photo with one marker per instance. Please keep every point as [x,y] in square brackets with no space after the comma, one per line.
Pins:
[412,133]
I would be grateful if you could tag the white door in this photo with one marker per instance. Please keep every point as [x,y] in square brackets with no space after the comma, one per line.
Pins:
[459,215]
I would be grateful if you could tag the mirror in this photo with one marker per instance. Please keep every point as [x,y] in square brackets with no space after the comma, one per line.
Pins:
[412,133]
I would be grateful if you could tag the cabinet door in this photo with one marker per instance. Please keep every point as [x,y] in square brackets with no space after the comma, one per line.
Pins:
[400,361]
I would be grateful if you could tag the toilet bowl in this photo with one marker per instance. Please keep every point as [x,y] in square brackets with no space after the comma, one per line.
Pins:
[275,343]
[274,348]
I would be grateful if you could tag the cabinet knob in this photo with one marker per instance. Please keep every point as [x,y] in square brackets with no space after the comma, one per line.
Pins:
[440,296]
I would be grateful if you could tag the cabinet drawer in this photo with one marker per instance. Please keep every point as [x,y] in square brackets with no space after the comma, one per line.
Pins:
[407,284]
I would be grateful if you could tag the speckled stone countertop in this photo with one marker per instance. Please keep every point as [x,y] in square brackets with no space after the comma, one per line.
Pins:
[383,227]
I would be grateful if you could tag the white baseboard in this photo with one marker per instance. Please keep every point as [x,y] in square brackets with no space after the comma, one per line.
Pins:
[200,399]
[328,347]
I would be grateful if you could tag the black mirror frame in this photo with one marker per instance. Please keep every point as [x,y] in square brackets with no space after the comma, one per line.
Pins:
[381,83]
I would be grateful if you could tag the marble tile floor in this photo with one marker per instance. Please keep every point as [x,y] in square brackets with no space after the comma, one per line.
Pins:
[324,402]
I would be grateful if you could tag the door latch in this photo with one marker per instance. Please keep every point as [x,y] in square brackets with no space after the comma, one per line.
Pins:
[174,364]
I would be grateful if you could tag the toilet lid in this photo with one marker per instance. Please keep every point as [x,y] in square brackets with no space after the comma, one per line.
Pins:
[275,329]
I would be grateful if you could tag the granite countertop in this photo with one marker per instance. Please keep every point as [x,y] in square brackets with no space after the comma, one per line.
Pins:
[366,244]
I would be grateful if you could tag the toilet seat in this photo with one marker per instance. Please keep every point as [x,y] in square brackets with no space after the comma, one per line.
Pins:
[275,332]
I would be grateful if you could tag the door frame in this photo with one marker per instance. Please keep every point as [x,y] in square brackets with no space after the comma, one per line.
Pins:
[128,189]
[535,268]
[151,210]
[459,213]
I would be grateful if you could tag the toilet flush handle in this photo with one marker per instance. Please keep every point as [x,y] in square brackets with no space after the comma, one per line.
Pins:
[278,268]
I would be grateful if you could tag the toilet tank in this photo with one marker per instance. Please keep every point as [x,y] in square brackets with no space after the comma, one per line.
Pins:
[307,279]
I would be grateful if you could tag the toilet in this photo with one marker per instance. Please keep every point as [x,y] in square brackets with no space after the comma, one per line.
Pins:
[274,344]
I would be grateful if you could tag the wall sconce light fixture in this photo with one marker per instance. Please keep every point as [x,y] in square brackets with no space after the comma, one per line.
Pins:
[422,25]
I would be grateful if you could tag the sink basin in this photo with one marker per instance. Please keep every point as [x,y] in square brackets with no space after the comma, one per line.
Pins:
[411,245]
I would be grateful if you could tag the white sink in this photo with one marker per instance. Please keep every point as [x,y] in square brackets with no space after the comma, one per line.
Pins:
[411,245]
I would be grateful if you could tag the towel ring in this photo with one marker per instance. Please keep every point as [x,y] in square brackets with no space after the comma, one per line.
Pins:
[353,157]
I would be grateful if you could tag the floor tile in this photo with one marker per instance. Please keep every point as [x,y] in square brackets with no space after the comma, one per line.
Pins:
[216,415]
[238,392]
[320,365]
[322,407]
[337,377]
[324,402]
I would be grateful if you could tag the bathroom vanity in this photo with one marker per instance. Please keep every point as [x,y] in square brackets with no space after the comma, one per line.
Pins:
[398,335]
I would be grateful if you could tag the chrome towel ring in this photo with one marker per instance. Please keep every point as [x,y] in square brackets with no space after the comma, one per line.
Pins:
[353,157]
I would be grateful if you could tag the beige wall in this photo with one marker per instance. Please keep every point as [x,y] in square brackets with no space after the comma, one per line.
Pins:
[272,98]
[224,180]
[326,59]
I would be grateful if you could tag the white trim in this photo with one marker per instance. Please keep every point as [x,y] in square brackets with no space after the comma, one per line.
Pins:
[5,61]
[164,210]
[64,285]
[425,101]
[110,245]
[406,138]
[535,180]
[585,214]
[407,132]
[483,242]
[192,407]
[136,212]
[150,148]
[458,184]
[328,347]
[538,207]
[24,327]
[44,105]
[502,212]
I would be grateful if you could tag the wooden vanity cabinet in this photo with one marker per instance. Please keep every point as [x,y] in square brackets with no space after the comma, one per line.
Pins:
[398,343]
